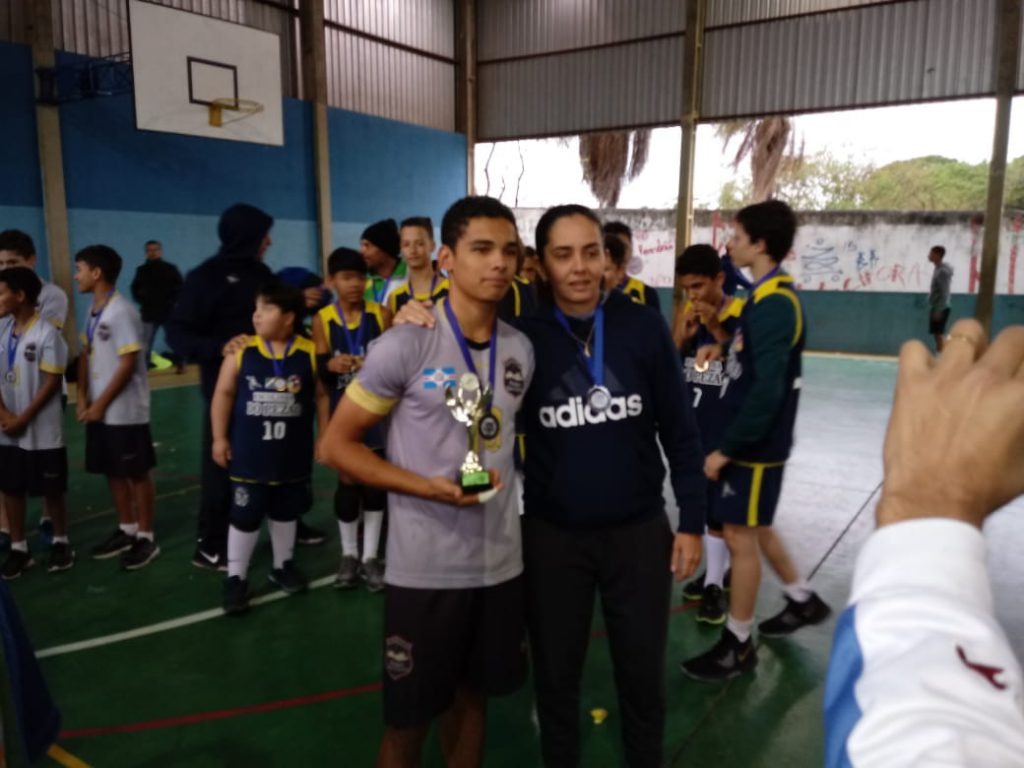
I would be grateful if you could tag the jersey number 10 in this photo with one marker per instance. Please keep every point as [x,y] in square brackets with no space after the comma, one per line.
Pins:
[274,430]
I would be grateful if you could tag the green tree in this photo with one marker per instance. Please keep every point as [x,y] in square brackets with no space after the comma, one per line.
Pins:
[929,183]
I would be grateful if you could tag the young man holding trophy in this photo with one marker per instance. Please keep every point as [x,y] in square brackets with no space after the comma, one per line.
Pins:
[454,618]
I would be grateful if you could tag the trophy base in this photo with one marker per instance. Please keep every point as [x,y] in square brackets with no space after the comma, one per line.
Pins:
[475,482]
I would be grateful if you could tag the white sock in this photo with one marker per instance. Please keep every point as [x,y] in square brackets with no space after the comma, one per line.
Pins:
[372,522]
[145,535]
[718,560]
[19,546]
[130,528]
[5,530]
[349,535]
[60,539]
[741,629]
[799,590]
[282,541]
[43,518]
[240,548]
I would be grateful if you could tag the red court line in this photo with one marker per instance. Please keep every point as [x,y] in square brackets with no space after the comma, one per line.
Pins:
[253,709]
[220,714]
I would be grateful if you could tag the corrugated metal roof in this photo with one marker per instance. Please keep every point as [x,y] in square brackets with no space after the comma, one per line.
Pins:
[880,54]
[742,11]
[425,24]
[371,77]
[633,84]
[13,18]
[507,28]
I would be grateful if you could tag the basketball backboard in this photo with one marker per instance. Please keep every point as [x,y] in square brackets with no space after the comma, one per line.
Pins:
[188,68]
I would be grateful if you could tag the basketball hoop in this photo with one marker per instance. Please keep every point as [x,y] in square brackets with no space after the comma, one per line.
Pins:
[244,107]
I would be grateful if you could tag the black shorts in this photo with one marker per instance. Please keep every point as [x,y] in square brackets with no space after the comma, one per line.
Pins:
[33,473]
[118,450]
[713,523]
[252,502]
[439,640]
[747,494]
[937,323]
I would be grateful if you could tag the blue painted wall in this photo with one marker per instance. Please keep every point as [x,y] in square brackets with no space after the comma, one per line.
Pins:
[126,186]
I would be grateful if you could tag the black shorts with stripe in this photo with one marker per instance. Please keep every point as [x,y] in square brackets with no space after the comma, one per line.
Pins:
[747,494]
[33,473]
[118,450]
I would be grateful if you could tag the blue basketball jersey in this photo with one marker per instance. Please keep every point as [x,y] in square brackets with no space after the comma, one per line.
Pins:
[707,388]
[372,325]
[272,421]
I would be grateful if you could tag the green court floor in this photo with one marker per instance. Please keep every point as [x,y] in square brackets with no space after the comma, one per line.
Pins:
[296,681]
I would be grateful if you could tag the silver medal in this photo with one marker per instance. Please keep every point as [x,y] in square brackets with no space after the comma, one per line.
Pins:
[599,399]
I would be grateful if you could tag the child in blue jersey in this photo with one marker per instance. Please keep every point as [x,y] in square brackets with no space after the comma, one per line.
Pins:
[262,419]
[341,333]
[764,369]
[710,317]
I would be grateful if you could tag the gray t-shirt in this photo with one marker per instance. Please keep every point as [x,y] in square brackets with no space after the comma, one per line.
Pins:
[53,305]
[41,349]
[118,332]
[433,545]
[942,280]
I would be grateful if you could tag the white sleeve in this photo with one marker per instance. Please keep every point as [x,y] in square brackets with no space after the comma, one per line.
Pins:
[921,672]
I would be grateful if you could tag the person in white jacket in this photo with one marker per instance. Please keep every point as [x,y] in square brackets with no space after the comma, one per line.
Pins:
[921,672]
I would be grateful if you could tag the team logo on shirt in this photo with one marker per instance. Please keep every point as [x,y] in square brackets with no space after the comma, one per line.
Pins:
[241,497]
[440,378]
[515,382]
[294,384]
[103,332]
[398,659]
[30,353]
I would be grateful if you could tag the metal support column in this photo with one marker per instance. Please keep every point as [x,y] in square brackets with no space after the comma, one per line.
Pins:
[465,118]
[51,165]
[693,66]
[314,85]
[1007,54]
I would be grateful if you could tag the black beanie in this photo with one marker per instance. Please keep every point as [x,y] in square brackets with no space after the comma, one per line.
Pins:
[345,260]
[384,234]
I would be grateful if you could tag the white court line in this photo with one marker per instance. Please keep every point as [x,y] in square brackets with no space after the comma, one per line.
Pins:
[165,626]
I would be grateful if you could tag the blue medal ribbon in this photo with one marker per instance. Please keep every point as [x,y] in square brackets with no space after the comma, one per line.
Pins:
[354,342]
[94,321]
[460,339]
[278,362]
[594,363]
[12,348]
[765,279]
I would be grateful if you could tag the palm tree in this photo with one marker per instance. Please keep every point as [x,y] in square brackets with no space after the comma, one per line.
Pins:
[770,144]
[610,158]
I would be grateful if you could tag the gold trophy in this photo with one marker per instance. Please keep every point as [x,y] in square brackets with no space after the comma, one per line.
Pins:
[468,403]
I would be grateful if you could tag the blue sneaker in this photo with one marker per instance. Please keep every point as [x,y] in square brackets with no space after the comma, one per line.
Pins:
[46,532]
[5,541]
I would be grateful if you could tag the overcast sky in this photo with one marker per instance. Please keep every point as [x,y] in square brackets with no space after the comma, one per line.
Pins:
[959,129]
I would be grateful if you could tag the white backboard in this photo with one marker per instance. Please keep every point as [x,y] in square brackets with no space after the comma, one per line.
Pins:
[182,61]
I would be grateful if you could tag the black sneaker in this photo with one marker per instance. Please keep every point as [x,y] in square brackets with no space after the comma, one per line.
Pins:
[46,532]
[727,659]
[348,573]
[142,553]
[308,535]
[5,541]
[712,608]
[373,575]
[694,590]
[17,563]
[210,562]
[118,542]
[795,615]
[289,578]
[62,557]
[236,595]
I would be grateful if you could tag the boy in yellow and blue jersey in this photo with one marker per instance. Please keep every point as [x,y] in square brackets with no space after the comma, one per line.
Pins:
[710,318]
[764,370]
[618,243]
[262,420]
[342,333]
[422,281]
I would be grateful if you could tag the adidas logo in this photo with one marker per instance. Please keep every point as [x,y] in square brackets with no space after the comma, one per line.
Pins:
[575,412]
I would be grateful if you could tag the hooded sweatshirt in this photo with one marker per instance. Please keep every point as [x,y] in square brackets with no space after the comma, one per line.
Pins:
[219,296]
